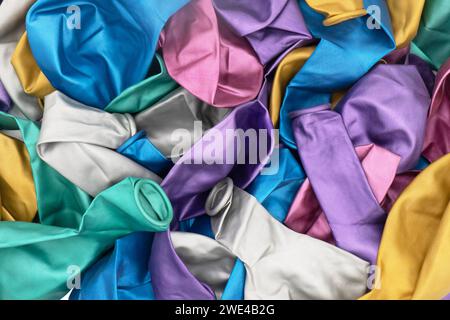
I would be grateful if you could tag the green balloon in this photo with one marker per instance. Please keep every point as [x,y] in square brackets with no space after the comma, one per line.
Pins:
[147,92]
[432,42]
[39,261]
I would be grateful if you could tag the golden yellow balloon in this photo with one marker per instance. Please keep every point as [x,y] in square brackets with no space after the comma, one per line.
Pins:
[405,15]
[414,255]
[33,81]
[17,194]
[336,11]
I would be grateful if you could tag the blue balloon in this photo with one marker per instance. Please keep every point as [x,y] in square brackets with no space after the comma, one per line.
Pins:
[346,52]
[92,50]
[122,274]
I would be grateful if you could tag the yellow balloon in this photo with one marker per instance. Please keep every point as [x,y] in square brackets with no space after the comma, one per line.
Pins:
[414,255]
[405,15]
[32,79]
[17,194]
[337,11]
[405,18]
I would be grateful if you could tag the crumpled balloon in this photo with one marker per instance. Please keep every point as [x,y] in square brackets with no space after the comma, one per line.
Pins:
[405,15]
[33,81]
[414,254]
[180,112]
[338,11]
[204,56]
[337,178]
[171,278]
[205,258]
[276,191]
[168,129]
[187,185]
[17,194]
[269,251]
[271,26]
[116,277]
[286,70]
[433,39]
[396,99]
[94,59]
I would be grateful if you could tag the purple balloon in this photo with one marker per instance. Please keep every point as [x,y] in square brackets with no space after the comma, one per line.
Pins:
[271,26]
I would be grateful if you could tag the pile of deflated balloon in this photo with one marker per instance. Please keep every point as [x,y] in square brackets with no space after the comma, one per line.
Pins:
[225,149]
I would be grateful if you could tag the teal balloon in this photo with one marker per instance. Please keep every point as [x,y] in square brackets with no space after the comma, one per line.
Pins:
[45,261]
[432,42]
[147,92]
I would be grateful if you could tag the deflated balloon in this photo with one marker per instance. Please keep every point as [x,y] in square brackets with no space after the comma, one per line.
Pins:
[336,175]
[276,190]
[96,49]
[33,81]
[169,128]
[17,194]
[121,275]
[405,16]
[388,107]
[338,11]
[204,56]
[178,120]
[205,258]
[171,278]
[56,253]
[275,256]
[433,39]
[414,253]
[272,27]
